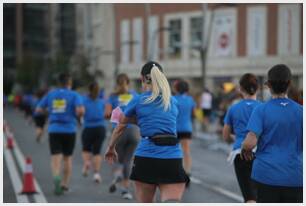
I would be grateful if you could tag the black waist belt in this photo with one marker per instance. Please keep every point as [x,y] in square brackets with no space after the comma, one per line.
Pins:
[164,139]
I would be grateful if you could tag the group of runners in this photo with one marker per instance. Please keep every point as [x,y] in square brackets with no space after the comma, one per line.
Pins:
[64,108]
[268,140]
[150,141]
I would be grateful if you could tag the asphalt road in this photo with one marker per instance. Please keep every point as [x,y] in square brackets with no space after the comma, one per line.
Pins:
[213,179]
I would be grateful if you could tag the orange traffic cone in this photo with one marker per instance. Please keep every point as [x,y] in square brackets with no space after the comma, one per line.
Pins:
[10,140]
[28,180]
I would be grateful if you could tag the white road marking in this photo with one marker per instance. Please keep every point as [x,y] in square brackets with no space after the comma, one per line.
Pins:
[227,193]
[195,180]
[39,197]
[13,173]
[222,191]
[217,189]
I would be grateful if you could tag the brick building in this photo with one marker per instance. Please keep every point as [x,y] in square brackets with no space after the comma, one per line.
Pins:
[241,38]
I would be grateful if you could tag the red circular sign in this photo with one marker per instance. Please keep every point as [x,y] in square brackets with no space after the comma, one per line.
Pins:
[223,40]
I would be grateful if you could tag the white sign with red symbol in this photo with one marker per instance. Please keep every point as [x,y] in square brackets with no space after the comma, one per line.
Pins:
[224,40]
[224,26]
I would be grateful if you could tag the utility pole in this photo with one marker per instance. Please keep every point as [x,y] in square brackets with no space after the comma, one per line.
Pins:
[116,58]
[206,38]
[203,47]
[147,14]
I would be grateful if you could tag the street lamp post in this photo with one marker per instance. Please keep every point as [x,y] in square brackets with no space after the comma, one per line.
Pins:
[203,47]
[147,9]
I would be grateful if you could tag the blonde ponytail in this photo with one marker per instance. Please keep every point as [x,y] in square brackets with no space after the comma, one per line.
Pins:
[160,86]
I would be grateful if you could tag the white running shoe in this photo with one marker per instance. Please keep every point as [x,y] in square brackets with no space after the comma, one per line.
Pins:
[97,178]
[127,195]
[85,170]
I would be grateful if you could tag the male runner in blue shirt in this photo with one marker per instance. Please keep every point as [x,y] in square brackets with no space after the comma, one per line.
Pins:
[63,106]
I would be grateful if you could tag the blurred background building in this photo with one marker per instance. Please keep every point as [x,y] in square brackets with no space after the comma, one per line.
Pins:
[95,33]
[240,38]
[25,33]
[35,35]
[215,42]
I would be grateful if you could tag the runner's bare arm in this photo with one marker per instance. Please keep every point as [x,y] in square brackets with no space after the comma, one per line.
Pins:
[227,134]
[80,110]
[111,155]
[193,114]
[131,120]
[116,134]
[248,144]
[40,110]
[108,111]
[119,129]
[250,141]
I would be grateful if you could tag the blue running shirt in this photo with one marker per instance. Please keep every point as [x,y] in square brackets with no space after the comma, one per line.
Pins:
[237,117]
[94,112]
[61,105]
[186,105]
[153,120]
[278,125]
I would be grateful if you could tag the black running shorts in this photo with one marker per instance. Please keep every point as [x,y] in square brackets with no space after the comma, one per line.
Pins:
[278,194]
[62,143]
[40,120]
[92,139]
[158,171]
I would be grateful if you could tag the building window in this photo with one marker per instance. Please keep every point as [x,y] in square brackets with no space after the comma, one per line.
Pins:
[67,28]
[195,36]
[137,40]
[289,29]
[124,41]
[9,35]
[34,29]
[153,51]
[175,38]
[256,31]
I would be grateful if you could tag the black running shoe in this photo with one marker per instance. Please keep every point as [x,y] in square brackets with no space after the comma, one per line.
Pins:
[112,187]
[65,189]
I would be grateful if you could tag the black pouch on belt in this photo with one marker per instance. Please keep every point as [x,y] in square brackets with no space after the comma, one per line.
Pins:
[164,140]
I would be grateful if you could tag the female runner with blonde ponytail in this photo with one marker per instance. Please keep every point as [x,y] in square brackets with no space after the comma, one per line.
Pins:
[158,157]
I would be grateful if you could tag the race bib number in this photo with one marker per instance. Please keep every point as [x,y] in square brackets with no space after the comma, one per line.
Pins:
[59,106]
[124,99]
